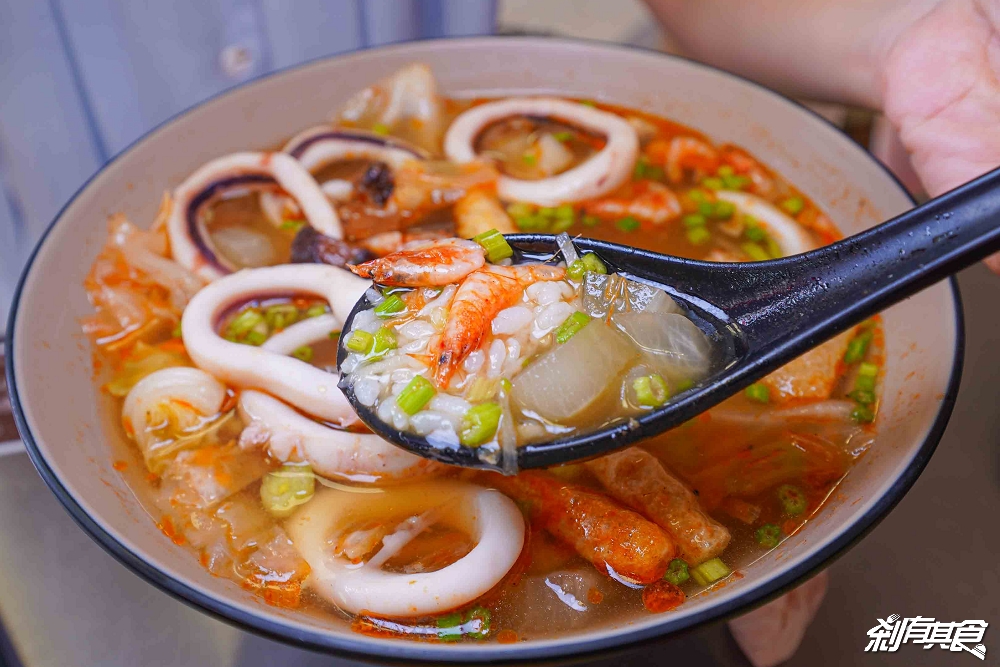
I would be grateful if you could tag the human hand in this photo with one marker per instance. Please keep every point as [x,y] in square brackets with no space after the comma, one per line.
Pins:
[941,91]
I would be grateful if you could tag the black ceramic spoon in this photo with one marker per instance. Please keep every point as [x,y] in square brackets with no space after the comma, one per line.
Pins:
[764,313]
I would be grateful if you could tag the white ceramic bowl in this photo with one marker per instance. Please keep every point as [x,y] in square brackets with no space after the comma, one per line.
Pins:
[60,414]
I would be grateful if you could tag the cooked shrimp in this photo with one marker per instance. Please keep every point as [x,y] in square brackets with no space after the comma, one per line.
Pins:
[385,243]
[635,477]
[647,201]
[478,300]
[616,540]
[690,154]
[425,264]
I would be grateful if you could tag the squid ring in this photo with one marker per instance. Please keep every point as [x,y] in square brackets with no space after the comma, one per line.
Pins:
[492,520]
[323,144]
[600,174]
[189,240]
[790,237]
[331,452]
[319,146]
[308,388]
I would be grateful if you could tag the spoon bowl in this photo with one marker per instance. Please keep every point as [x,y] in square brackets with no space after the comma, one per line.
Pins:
[761,315]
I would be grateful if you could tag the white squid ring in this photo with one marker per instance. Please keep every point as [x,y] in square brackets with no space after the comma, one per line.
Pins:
[321,145]
[306,387]
[600,174]
[787,233]
[324,144]
[330,452]
[189,240]
[494,522]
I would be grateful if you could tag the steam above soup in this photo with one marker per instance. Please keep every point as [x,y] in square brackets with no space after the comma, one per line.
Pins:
[217,331]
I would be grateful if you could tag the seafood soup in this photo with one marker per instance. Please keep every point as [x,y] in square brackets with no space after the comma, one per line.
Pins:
[216,331]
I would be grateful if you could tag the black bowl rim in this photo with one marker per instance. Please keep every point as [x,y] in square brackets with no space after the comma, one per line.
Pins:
[402,650]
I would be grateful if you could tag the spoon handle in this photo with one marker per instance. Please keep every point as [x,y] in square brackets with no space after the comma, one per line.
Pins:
[789,305]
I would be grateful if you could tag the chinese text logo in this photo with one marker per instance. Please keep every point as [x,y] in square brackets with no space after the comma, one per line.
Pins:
[893,631]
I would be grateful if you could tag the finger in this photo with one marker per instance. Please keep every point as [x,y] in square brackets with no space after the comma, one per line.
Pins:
[993,261]
[771,634]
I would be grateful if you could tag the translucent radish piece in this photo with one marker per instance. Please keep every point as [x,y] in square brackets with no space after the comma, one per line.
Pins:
[567,379]
[615,293]
[248,247]
[671,343]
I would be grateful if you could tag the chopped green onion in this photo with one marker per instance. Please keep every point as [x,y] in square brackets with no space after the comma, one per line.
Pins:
[758,392]
[316,311]
[773,249]
[627,224]
[257,335]
[244,322]
[565,211]
[735,182]
[755,233]
[415,395]
[334,335]
[863,414]
[867,369]
[519,209]
[768,535]
[864,383]
[684,385]
[576,270]
[304,353]
[385,340]
[594,263]
[793,205]
[450,627]
[712,183]
[697,195]
[710,571]
[177,331]
[706,208]
[571,326]
[863,396]
[561,225]
[480,424]
[590,220]
[654,173]
[478,618]
[286,488]
[677,572]
[562,136]
[547,211]
[858,347]
[531,223]
[281,315]
[506,385]
[588,103]
[380,128]
[792,498]
[694,220]
[651,390]
[639,171]
[722,210]
[292,225]
[392,305]
[725,170]
[754,251]
[495,244]
[529,159]
[361,342]
[698,236]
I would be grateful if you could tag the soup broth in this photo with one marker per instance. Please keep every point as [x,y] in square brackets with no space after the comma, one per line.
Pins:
[229,425]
